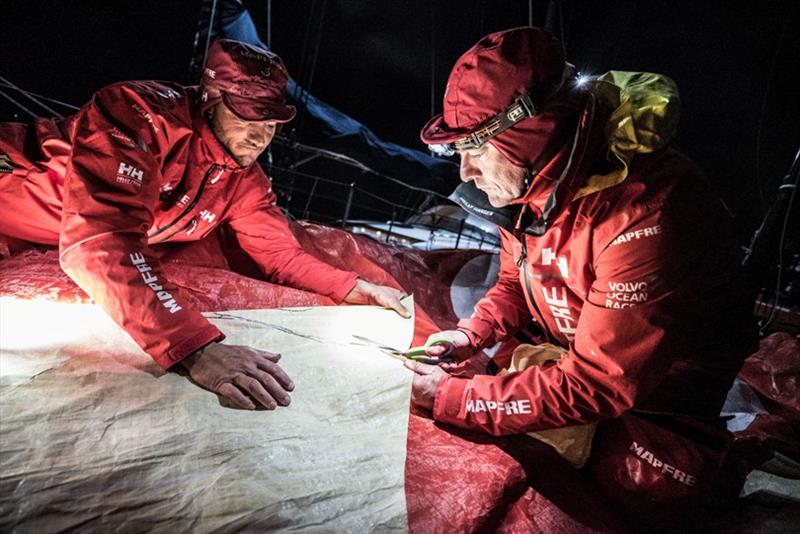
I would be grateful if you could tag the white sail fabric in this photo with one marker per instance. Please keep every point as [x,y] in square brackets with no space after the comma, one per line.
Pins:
[94,436]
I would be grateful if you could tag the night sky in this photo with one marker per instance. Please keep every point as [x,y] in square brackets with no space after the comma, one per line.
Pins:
[736,63]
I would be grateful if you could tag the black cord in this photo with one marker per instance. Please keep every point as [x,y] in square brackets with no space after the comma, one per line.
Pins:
[793,173]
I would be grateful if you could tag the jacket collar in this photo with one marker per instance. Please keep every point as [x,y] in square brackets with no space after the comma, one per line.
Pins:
[560,175]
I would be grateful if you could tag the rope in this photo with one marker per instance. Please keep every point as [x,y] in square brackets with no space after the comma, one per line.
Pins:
[33,99]
[42,97]
[208,37]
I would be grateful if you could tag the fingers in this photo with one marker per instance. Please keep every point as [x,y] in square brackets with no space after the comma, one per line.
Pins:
[419,368]
[448,365]
[277,373]
[439,349]
[395,304]
[389,298]
[275,390]
[256,390]
[271,356]
[237,397]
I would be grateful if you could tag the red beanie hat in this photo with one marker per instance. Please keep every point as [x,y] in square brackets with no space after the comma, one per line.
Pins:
[250,80]
[489,77]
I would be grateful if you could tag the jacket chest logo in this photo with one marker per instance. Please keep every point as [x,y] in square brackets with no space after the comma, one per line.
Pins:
[128,174]
[550,258]
[208,216]
[555,296]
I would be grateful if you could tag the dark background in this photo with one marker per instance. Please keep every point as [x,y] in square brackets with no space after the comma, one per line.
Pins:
[736,63]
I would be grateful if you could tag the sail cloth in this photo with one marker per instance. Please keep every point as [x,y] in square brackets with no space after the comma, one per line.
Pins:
[96,436]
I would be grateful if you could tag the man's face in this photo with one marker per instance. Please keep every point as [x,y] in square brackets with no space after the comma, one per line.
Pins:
[245,140]
[501,180]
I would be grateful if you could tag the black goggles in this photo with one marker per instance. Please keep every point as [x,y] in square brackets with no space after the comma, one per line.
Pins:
[522,108]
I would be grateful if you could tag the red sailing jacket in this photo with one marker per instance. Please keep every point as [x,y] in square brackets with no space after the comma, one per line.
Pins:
[139,165]
[637,280]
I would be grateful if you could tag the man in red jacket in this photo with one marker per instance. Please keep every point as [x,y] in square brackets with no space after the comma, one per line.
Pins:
[149,162]
[620,253]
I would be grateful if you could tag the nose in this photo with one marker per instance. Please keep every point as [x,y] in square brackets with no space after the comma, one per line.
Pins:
[468,170]
[261,133]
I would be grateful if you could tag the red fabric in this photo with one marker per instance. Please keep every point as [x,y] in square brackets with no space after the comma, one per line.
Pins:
[488,77]
[774,374]
[662,470]
[458,481]
[250,80]
[138,166]
[638,281]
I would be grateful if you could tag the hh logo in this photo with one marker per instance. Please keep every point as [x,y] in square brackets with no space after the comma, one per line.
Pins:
[548,257]
[129,175]
[208,216]
[131,171]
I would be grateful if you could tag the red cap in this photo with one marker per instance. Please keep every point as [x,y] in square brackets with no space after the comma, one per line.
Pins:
[488,77]
[250,80]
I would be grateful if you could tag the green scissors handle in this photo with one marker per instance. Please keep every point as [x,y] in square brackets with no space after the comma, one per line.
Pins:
[418,353]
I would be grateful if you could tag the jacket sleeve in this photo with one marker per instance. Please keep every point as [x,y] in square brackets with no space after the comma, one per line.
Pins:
[503,311]
[634,314]
[111,188]
[263,232]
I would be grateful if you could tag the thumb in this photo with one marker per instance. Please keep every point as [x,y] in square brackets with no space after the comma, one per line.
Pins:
[395,304]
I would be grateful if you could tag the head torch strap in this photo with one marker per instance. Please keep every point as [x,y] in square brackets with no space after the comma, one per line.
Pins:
[522,108]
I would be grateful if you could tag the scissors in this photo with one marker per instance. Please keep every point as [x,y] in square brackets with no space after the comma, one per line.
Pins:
[414,353]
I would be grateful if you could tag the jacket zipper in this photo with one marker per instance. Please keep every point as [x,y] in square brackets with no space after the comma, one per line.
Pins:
[192,222]
[189,208]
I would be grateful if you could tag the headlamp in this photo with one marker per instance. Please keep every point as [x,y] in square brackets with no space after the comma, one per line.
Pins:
[522,108]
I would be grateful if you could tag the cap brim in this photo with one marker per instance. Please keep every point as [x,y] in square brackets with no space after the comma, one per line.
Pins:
[251,109]
[436,132]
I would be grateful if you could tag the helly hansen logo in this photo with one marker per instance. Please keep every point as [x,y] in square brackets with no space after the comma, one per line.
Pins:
[509,407]
[549,257]
[665,468]
[636,234]
[166,298]
[128,174]
[131,171]
[208,216]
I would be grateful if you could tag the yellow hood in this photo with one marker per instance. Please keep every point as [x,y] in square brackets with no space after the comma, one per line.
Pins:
[645,118]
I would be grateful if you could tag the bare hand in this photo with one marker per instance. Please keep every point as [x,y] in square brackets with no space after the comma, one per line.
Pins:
[385,296]
[242,374]
[426,380]
[450,344]
[474,365]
